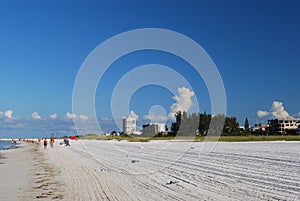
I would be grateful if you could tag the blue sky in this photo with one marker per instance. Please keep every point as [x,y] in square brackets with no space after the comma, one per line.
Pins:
[254,44]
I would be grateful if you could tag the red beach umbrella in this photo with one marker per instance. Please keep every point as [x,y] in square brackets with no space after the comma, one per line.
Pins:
[73,138]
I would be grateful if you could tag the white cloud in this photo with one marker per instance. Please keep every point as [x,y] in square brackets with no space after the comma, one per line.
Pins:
[298,114]
[156,118]
[133,115]
[83,117]
[1,113]
[278,110]
[71,115]
[262,114]
[8,114]
[36,115]
[24,126]
[183,101]
[53,116]
[74,116]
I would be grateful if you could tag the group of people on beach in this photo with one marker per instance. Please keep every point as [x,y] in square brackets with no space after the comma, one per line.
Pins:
[14,141]
[66,141]
[45,142]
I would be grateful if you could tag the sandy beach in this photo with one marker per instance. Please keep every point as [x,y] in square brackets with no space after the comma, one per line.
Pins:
[156,170]
[26,175]
[16,173]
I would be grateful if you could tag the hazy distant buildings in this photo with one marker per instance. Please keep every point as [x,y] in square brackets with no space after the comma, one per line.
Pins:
[129,125]
[154,128]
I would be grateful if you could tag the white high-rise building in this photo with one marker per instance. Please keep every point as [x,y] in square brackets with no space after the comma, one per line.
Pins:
[154,128]
[129,125]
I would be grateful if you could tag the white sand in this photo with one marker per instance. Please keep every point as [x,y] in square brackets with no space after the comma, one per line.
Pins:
[163,170]
[26,175]
[16,173]
[157,170]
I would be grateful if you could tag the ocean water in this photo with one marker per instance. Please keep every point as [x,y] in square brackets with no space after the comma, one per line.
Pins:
[5,144]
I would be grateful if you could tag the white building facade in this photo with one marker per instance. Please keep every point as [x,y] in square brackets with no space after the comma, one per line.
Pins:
[129,125]
[288,124]
[284,126]
[154,128]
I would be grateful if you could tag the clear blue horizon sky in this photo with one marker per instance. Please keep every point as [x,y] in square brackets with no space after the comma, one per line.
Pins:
[254,44]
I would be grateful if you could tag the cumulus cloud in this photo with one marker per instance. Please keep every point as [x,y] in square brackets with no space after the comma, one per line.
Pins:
[132,114]
[157,118]
[24,126]
[1,113]
[183,101]
[30,126]
[83,117]
[77,117]
[278,110]
[8,114]
[261,113]
[298,114]
[53,116]
[71,115]
[35,115]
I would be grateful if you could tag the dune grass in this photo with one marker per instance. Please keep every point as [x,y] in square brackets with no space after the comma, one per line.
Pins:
[259,138]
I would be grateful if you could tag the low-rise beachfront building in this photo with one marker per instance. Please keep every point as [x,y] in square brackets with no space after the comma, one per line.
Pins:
[283,126]
[154,128]
[260,129]
[129,125]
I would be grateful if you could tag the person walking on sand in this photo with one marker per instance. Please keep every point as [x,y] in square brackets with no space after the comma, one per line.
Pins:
[52,142]
[45,143]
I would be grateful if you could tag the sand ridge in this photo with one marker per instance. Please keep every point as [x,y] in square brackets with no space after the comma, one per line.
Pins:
[46,185]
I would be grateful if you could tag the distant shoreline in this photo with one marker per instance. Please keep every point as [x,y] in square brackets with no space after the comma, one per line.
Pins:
[6,144]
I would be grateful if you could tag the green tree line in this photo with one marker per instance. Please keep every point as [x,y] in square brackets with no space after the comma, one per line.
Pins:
[204,124]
